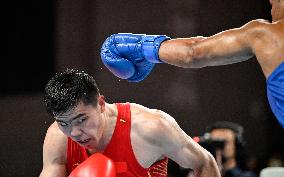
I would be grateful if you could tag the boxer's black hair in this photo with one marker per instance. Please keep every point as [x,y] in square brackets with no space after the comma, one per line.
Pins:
[65,90]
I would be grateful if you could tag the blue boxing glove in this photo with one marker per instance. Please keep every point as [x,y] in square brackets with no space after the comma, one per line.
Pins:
[131,56]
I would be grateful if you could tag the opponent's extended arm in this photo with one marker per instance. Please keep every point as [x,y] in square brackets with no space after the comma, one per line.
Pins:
[132,56]
[227,47]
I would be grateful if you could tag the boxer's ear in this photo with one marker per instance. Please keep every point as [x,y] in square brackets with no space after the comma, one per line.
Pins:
[101,103]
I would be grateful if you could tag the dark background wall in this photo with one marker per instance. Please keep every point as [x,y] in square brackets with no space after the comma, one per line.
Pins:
[44,37]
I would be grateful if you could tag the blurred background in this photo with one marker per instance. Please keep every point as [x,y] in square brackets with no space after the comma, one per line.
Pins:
[47,36]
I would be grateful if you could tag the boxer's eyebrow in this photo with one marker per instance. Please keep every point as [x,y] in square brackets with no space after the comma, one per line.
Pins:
[71,120]
[78,116]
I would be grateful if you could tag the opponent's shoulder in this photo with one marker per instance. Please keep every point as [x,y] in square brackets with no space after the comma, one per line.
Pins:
[257,22]
[260,30]
[259,26]
[256,25]
[54,147]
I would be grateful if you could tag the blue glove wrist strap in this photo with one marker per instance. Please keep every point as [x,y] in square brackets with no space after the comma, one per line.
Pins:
[151,45]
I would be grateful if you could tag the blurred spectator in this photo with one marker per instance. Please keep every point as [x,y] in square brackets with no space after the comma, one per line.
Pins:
[225,141]
[231,156]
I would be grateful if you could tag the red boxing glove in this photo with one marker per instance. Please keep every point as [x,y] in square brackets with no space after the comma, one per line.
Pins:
[96,165]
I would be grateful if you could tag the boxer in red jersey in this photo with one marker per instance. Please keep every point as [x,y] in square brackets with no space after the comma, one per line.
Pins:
[137,139]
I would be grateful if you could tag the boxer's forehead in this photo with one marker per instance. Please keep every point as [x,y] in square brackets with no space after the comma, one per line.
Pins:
[79,111]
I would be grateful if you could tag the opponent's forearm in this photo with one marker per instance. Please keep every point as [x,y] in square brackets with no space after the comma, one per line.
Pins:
[178,52]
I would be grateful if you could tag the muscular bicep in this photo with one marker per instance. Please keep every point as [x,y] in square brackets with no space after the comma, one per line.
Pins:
[54,153]
[224,48]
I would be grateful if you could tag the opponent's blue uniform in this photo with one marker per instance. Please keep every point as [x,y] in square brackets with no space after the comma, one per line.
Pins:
[275,93]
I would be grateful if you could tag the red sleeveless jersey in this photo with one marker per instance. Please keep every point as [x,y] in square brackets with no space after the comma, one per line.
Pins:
[119,150]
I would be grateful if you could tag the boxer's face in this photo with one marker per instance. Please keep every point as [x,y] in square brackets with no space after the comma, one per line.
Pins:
[84,124]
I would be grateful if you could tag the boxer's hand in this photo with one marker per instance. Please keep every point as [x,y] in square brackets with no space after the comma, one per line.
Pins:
[131,56]
[96,165]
